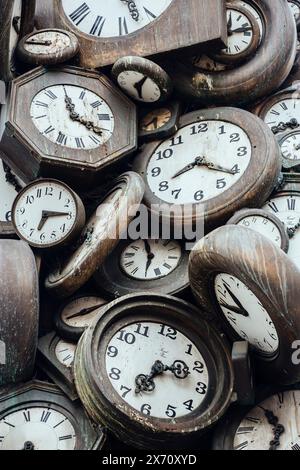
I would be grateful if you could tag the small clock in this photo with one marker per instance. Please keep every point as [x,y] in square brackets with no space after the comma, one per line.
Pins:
[243,35]
[156,265]
[220,160]
[76,314]
[250,288]
[99,237]
[295,8]
[55,357]
[48,47]
[269,425]
[142,79]
[47,213]
[10,185]
[159,123]
[289,143]
[264,223]
[38,416]
[153,371]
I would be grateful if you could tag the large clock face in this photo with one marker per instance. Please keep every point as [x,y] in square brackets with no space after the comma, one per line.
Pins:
[52,115]
[256,433]
[133,351]
[245,313]
[283,111]
[37,428]
[200,162]
[287,208]
[112,18]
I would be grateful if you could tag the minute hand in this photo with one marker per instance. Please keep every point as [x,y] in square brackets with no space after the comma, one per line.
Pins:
[236,300]
[235,309]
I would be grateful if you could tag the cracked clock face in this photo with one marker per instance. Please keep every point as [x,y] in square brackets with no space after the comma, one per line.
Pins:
[50,114]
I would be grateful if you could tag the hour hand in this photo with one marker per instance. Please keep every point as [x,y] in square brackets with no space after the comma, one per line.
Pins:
[236,300]
[235,309]
[53,214]
[185,170]
[212,166]
[139,87]
[85,311]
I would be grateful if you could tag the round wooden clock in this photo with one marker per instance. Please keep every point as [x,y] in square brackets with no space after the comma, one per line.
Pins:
[235,85]
[137,266]
[264,223]
[47,213]
[289,143]
[19,299]
[153,371]
[38,416]
[250,287]
[48,47]
[271,424]
[159,123]
[99,237]
[219,161]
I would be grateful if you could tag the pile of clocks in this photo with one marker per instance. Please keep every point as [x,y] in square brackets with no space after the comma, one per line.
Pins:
[150,225]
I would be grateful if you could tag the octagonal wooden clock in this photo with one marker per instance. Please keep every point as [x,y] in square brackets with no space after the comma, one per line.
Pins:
[116,28]
[72,123]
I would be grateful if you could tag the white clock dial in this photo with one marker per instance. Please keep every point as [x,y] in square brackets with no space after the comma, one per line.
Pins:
[112,18]
[133,351]
[283,111]
[221,143]
[287,209]
[150,259]
[245,313]
[295,10]
[8,194]
[256,15]
[56,41]
[256,433]
[39,427]
[65,352]
[264,226]
[80,312]
[139,86]
[290,147]
[238,42]
[50,115]
[45,213]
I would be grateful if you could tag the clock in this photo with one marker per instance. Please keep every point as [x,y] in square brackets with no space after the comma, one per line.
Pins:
[289,143]
[55,358]
[269,425]
[249,287]
[285,205]
[153,371]
[48,47]
[16,20]
[10,185]
[38,416]
[160,122]
[206,170]
[76,314]
[118,28]
[264,223]
[99,237]
[47,213]
[19,299]
[244,35]
[209,84]
[142,79]
[72,124]
[295,8]
[144,265]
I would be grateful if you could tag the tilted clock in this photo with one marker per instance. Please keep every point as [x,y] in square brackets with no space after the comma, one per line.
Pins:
[72,123]
[114,29]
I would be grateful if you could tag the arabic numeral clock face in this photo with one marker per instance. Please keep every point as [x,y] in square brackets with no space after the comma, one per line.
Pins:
[51,117]
[47,213]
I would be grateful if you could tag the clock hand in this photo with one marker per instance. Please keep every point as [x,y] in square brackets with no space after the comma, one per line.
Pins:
[235,309]
[139,86]
[236,300]
[150,256]
[145,383]
[82,120]
[292,230]
[229,24]
[239,30]
[187,168]
[201,161]
[42,222]
[47,214]
[39,43]
[85,311]
[154,121]
[133,10]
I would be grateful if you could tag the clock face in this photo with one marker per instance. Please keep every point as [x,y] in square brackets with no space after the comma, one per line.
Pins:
[287,208]
[50,113]
[240,32]
[112,18]
[45,213]
[175,174]
[80,312]
[65,352]
[47,42]
[258,17]
[155,119]
[283,111]
[256,433]
[245,314]
[290,146]
[8,194]
[150,259]
[133,351]
[264,226]
[37,428]
[295,9]
[139,86]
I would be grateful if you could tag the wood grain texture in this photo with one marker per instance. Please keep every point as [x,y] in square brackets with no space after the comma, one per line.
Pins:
[185,24]
[44,14]
[19,300]
[270,275]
